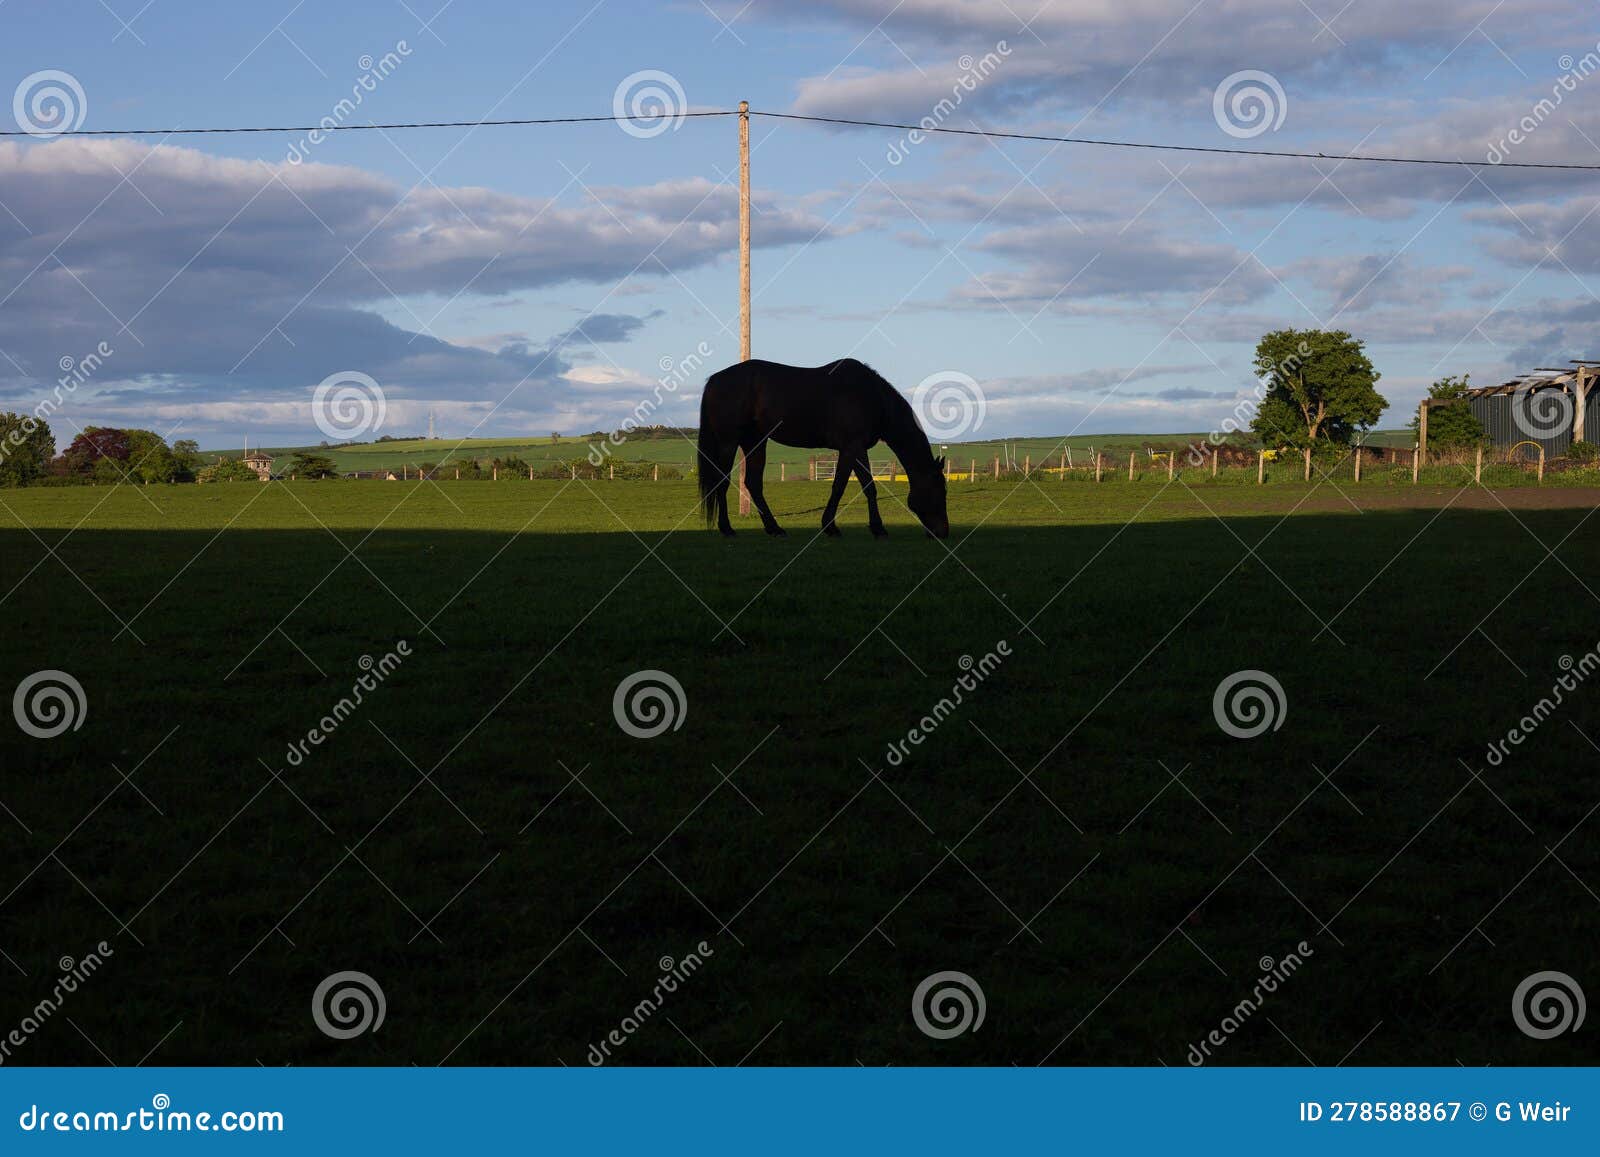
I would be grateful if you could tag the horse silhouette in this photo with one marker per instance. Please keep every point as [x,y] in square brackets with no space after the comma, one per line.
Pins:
[845,406]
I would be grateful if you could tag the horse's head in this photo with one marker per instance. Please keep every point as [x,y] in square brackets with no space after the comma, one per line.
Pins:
[927,500]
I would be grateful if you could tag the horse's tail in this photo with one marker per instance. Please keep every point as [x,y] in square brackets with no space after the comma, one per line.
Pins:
[709,473]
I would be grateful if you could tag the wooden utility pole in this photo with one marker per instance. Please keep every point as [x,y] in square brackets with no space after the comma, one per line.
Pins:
[744,271]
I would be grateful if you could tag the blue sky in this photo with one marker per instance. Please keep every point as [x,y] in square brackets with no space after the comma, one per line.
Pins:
[523,280]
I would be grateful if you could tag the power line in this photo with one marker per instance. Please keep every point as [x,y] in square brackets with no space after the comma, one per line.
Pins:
[850,122]
[1106,143]
[358,128]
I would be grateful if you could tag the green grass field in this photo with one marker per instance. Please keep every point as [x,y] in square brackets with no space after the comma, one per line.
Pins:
[679,451]
[1078,835]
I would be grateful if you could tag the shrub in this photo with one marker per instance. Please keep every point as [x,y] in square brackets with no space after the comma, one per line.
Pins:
[1583,451]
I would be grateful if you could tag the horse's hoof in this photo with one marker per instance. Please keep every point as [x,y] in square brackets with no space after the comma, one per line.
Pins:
[831,531]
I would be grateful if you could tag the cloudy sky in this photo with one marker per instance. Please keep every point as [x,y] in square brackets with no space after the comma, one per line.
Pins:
[529,279]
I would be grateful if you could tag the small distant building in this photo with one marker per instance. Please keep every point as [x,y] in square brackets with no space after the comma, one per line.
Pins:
[260,462]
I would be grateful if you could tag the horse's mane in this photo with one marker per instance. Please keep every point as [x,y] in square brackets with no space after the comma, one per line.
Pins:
[898,409]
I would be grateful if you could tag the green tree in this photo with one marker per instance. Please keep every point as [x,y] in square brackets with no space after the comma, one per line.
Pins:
[149,457]
[225,470]
[1319,388]
[309,465]
[26,447]
[1452,425]
[186,456]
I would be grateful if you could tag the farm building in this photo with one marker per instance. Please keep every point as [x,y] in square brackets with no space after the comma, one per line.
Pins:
[261,463]
[1549,407]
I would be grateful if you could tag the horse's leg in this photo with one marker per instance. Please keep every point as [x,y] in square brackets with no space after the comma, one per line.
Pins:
[724,467]
[755,465]
[863,469]
[841,479]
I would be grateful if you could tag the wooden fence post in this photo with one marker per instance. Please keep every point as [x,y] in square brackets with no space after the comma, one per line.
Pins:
[1308,463]
[812,462]
[1416,462]
[1541,464]
[1130,465]
[530,473]
[1358,463]
[458,474]
[574,473]
[1171,461]
[997,468]
[1261,467]
[655,472]
[783,471]
[1066,461]
[613,472]
[1477,470]
[972,470]
[1213,461]
[1027,465]
[494,474]
[1099,464]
